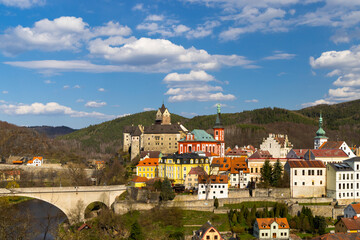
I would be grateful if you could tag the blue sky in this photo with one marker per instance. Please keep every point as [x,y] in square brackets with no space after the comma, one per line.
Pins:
[77,63]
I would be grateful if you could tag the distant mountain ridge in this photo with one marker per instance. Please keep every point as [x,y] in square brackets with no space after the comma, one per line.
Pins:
[53,132]
[341,122]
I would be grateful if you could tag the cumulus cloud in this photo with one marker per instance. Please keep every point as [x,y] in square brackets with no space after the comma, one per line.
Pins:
[101,89]
[95,104]
[49,109]
[345,67]
[22,3]
[63,33]
[148,109]
[139,55]
[194,86]
[5,92]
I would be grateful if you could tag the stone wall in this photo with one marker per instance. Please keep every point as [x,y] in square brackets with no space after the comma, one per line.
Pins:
[319,210]
[272,192]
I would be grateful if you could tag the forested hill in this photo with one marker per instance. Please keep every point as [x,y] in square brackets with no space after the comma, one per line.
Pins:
[341,122]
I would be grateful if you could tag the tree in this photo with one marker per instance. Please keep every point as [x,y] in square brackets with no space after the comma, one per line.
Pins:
[276,174]
[320,224]
[12,184]
[216,203]
[266,173]
[135,232]
[167,192]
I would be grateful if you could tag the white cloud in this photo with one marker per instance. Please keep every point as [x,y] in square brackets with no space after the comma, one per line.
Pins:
[148,109]
[138,7]
[317,102]
[77,86]
[194,86]
[22,3]
[155,18]
[95,104]
[251,101]
[345,66]
[51,108]
[49,82]
[66,87]
[101,89]
[279,55]
[221,105]
[80,100]
[63,33]
[139,55]
[4,92]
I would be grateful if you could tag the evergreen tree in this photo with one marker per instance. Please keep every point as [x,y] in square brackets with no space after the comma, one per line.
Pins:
[306,225]
[266,173]
[234,219]
[167,192]
[240,217]
[135,232]
[216,203]
[276,174]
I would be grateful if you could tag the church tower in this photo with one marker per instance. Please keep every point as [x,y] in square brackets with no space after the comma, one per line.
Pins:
[219,133]
[320,135]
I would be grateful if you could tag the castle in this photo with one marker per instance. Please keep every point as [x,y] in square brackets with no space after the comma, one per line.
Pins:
[161,136]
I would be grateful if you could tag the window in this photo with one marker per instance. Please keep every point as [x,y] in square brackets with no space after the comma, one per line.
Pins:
[313,183]
[221,192]
[274,227]
[303,172]
[216,237]
[303,183]
[207,237]
[295,172]
[295,183]
[320,182]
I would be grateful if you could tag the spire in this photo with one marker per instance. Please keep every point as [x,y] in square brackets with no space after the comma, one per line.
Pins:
[321,132]
[218,120]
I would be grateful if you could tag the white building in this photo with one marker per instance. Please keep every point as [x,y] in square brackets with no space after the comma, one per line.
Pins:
[271,228]
[277,144]
[211,187]
[343,180]
[338,145]
[239,173]
[307,178]
[352,210]
[36,161]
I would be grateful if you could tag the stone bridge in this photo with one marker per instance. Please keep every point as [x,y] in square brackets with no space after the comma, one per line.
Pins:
[72,201]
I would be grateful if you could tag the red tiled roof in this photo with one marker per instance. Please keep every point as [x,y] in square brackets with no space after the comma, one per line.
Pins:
[338,236]
[356,207]
[351,223]
[238,164]
[237,152]
[151,154]
[306,164]
[264,223]
[139,179]
[148,162]
[261,154]
[213,178]
[300,152]
[197,171]
[328,153]
[331,145]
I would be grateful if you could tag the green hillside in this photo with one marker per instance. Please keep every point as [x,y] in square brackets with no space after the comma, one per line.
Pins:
[248,127]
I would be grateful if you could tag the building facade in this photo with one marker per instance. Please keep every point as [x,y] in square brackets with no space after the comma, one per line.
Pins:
[278,145]
[343,180]
[348,225]
[271,228]
[148,168]
[207,232]
[255,165]
[326,155]
[200,140]
[213,186]
[352,210]
[192,178]
[307,178]
[176,167]
[338,145]
[162,136]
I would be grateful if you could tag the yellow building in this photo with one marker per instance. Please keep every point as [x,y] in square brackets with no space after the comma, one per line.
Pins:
[148,168]
[138,182]
[177,166]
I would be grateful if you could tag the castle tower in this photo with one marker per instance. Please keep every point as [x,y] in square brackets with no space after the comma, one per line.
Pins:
[163,116]
[320,135]
[219,133]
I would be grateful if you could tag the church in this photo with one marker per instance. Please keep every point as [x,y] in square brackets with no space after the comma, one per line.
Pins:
[161,136]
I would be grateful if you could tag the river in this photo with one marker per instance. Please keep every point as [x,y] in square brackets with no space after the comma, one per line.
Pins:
[44,218]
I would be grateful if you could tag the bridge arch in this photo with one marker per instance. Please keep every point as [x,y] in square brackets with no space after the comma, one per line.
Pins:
[72,201]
